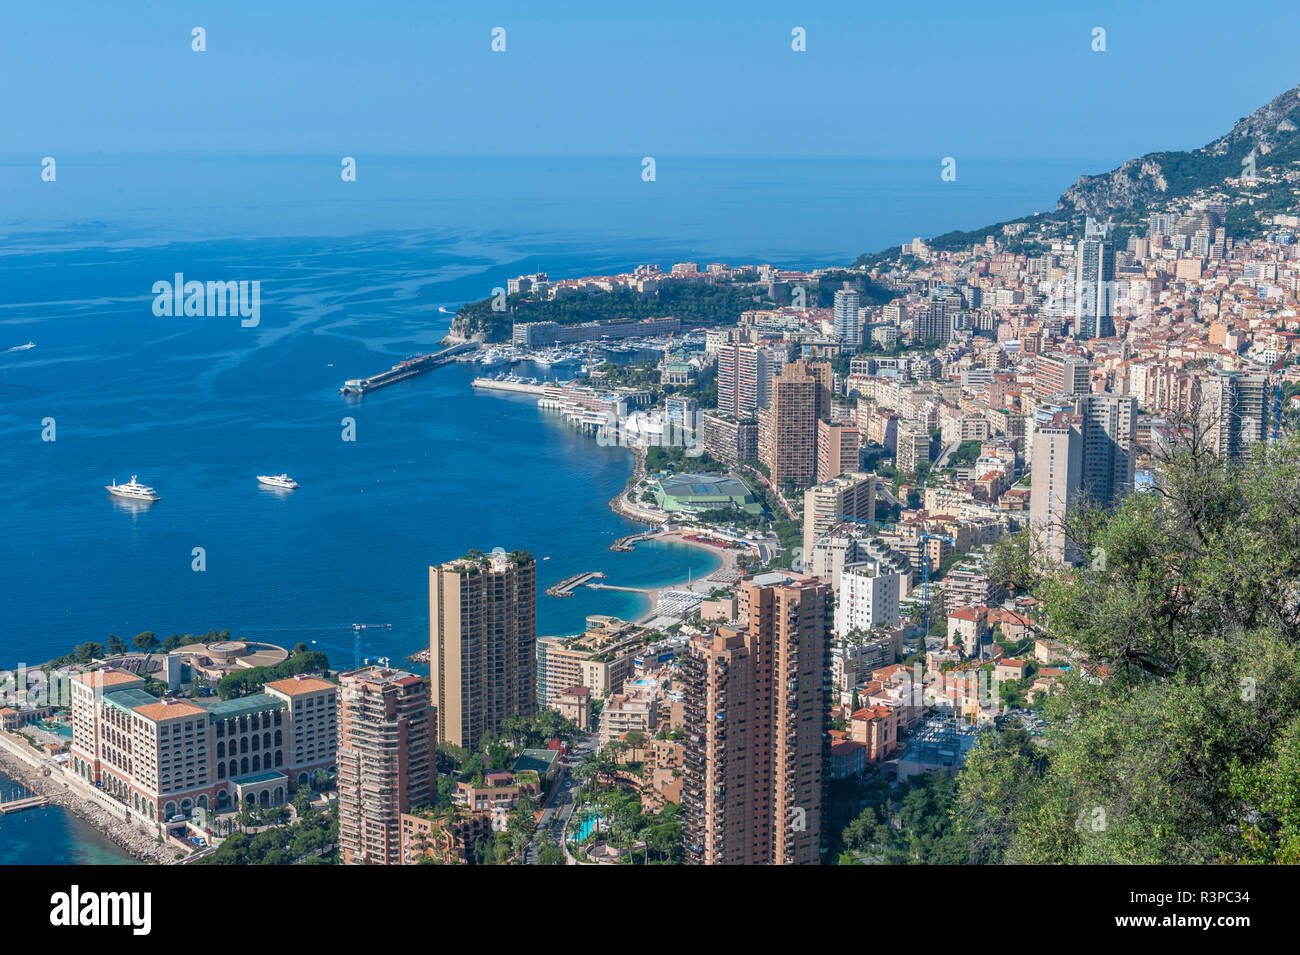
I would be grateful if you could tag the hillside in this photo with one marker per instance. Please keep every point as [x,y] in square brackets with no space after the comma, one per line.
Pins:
[1138,187]
[1271,133]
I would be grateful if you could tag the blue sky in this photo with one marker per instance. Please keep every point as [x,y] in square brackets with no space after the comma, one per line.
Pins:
[660,78]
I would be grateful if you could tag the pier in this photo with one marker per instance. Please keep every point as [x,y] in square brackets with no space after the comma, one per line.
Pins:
[568,585]
[629,542]
[27,802]
[406,369]
[505,384]
[629,590]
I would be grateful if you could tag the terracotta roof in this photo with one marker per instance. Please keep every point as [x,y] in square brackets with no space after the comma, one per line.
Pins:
[171,710]
[107,677]
[300,684]
[872,713]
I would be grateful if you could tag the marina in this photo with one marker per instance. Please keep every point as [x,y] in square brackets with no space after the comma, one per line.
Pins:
[525,386]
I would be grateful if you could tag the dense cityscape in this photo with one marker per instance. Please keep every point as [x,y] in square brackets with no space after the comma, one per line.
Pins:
[963,495]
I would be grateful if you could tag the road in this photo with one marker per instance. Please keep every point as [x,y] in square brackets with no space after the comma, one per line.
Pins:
[883,489]
[942,463]
[555,817]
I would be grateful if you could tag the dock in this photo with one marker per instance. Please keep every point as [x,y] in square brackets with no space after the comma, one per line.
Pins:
[628,590]
[406,369]
[568,585]
[629,542]
[505,384]
[28,802]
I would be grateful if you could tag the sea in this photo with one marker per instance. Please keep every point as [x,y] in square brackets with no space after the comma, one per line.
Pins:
[354,276]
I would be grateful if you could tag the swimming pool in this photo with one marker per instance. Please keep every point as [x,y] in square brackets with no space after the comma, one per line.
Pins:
[587,826]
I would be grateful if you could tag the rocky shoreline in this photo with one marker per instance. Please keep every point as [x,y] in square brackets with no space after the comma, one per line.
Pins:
[131,838]
[619,504]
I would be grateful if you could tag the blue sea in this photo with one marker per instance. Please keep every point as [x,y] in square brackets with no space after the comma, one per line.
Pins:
[52,836]
[352,276]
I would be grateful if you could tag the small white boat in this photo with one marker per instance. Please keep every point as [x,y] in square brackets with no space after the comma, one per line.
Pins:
[282,481]
[133,490]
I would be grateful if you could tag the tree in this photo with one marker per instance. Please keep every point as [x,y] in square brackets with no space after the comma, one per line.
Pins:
[1176,740]
[86,653]
[145,641]
[550,854]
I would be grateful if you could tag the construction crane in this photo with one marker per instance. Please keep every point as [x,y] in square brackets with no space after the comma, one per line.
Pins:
[925,556]
[356,629]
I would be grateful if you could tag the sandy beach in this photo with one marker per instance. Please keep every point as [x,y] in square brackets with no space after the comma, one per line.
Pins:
[699,585]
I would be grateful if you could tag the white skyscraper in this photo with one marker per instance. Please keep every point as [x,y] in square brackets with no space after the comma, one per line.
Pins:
[847,327]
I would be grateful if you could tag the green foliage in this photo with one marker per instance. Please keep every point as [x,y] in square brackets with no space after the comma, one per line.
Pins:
[300,843]
[1183,749]
[675,458]
[243,682]
[967,453]
[693,302]
[550,854]
[145,641]
[914,823]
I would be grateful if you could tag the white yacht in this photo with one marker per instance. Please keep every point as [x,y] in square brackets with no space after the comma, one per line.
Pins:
[134,490]
[277,480]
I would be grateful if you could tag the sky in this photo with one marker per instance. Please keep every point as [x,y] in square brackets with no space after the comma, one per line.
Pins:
[703,79]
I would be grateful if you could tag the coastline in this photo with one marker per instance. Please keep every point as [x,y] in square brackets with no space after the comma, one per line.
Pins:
[131,839]
[700,585]
[620,505]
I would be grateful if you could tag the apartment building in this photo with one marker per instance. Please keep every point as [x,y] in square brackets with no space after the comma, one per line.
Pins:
[600,659]
[632,712]
[1236,409]
[755,719]
[1109,432]
[851,495]
[848,329]
[1095,282]
[745,374]
[837,449]
[787,430]
[483,643]
[1056,374]
[1055,483]
[729,439]
[854,659]
[867,597]
[912,446]
[876,728]
[385,761]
